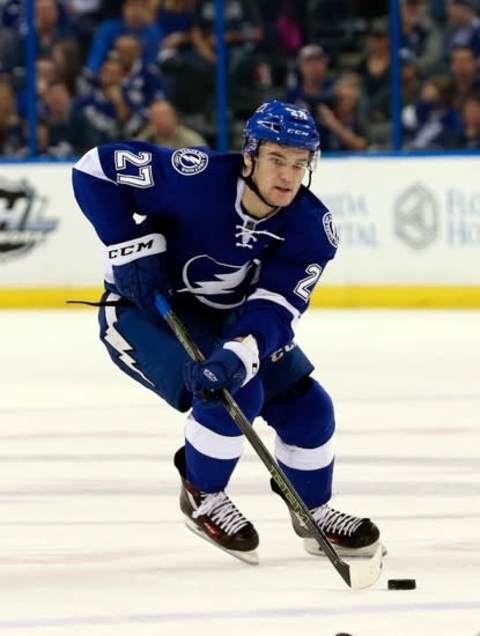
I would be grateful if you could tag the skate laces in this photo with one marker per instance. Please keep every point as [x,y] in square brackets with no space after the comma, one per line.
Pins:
[333,521]
[221,511]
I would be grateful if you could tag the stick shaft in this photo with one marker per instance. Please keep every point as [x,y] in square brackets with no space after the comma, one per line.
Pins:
[292,497]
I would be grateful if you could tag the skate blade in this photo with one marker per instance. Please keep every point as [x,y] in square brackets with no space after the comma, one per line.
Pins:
[312,547]
[251,557]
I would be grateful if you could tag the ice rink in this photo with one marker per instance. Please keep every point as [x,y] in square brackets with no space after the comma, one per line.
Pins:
[92,542]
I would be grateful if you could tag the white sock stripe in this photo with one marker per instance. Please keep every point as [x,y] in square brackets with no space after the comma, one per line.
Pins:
[304,458]
[212,444]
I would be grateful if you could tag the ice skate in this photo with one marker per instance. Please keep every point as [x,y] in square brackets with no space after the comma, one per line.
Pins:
[350,536]
[215,518]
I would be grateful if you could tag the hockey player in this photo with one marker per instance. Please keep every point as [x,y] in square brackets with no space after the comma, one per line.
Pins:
[238,244]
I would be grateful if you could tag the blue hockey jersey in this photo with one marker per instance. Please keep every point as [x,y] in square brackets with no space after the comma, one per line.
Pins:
[217,254]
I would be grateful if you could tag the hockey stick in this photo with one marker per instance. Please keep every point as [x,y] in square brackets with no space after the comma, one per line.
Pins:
[365,571]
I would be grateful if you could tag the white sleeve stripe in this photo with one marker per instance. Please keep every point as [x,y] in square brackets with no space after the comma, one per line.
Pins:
[212,444]
[247,351]
[304,458]
[90,164]
[130,250]
[264,294]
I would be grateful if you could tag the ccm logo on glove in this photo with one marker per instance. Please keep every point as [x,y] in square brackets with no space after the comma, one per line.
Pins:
[128,251]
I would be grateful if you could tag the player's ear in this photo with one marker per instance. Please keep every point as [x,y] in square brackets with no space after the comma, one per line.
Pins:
[247,161]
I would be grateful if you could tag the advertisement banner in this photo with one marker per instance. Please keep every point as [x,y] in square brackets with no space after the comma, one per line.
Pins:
[405,223]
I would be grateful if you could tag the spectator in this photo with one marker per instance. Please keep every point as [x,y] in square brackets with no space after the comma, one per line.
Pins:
[67,60]
[48,26]
[10,48]
[328,22]
[137,19]
[469,136]
[141,85]
[463,27]
[85,15]
[464,73]
[432,124]
[164,128]
[243,33]
[341,126]
[104,114]
[314,82]
[11,137]
[411,84]
[243,29]
[45,74]
[175,18]
[59,120]
[420,35]
[374,70]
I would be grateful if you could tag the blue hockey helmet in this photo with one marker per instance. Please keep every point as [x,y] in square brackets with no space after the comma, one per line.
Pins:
[281,123]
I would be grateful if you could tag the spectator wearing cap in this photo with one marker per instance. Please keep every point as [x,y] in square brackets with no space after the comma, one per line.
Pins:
[340,123]
[420,35]
[137,19]
[374,69]
[315,84]
[432,123]
[463,26]
[164,128]
[464,73]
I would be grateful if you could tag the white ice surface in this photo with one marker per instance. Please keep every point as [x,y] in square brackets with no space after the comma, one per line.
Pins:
[91,541]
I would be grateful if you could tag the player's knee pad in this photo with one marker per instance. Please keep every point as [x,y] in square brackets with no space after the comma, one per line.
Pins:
[216,418]
[303,415]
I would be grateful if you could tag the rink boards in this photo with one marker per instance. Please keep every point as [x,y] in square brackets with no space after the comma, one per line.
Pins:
[409,228]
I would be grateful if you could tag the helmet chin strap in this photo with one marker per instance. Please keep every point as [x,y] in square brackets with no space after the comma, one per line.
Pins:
[253,186]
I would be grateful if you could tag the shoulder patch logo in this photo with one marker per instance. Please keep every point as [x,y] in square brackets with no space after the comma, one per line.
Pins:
[189,161]
[331,229]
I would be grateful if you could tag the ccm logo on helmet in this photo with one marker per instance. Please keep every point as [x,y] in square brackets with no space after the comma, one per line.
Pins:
[294,131]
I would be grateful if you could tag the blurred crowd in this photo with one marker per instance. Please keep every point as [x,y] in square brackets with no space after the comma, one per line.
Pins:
[145,69]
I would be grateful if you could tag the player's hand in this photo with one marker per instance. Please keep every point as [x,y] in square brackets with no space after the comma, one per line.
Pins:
[139,269]
[227,368]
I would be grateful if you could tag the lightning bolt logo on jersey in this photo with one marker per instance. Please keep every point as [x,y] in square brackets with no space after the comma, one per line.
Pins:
[217,284]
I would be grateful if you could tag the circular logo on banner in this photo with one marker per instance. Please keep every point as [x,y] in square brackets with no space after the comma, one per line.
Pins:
[189,161]
[330,229]
[23,225]
[417,217]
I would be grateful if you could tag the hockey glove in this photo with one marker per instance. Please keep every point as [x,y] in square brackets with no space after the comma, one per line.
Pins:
[139,270]
[229,368]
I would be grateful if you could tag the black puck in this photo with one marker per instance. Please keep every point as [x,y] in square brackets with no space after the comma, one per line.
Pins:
[402,584]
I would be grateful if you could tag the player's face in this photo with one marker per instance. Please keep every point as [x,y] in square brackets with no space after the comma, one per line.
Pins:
[279,171]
